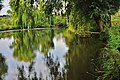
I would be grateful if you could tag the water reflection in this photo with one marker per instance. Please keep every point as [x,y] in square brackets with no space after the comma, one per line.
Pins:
[3,66]
[81,53]
[46,55]
[27,42]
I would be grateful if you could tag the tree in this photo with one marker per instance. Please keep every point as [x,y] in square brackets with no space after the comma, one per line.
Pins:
[1,4]
[83,11]
[52,7]
[22,13]
[98,10]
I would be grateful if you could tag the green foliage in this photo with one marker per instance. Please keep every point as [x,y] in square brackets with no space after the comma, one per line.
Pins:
[26,16]
[59,20]
[104,35]
[111,55]
[52,6]
[77,23]
[91,11]
[116,19]
[5,23]
[40,18]
[22,14]
[114,41]
[82,15]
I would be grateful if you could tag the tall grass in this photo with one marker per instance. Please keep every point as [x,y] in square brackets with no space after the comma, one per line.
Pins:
[111,55]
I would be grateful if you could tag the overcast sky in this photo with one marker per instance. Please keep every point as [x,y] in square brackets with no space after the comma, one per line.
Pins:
[5,7]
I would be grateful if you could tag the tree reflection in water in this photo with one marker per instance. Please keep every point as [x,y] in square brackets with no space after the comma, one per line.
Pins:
[55,72]
[27,42]
[3,66]
[54,68]
[43,55]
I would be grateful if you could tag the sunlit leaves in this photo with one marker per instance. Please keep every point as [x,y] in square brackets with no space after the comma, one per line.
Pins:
[22,13]
[114,40]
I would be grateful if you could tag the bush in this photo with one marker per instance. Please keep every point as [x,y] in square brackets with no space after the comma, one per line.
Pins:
[111,55]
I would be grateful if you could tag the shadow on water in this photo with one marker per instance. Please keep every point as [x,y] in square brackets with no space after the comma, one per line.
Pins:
[83,53]
[47,55]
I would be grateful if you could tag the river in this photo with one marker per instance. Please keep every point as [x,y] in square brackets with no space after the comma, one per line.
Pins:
[47,55]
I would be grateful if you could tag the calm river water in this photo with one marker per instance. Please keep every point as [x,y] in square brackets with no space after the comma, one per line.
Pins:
[47,55]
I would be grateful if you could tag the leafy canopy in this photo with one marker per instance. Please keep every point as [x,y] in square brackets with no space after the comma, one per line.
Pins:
[82,11]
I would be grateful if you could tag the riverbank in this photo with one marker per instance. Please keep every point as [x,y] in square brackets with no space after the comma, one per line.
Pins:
[110,55]
[25,29]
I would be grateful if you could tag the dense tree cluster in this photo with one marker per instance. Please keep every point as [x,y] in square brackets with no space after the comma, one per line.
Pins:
[22,13]
[97,11]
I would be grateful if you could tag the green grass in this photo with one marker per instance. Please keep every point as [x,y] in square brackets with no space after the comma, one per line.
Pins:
[111,55]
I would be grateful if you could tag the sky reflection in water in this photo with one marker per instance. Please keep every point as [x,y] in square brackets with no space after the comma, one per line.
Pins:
[59,51]
[47,55]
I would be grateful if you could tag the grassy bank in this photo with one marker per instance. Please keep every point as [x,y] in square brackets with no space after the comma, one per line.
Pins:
[111,55]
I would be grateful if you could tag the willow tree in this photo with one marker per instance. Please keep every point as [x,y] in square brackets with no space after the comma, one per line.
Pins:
[22,13]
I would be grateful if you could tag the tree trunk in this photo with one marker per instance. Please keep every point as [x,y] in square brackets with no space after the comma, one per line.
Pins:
[99,23]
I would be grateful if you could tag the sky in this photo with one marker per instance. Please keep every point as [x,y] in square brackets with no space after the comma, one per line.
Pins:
[5,7]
